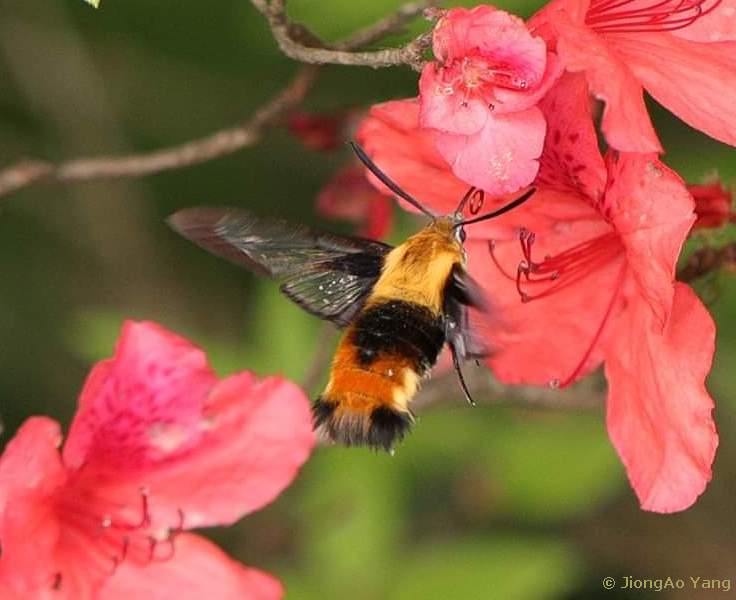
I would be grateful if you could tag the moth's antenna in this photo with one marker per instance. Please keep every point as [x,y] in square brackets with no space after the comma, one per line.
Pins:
[504,209]
[373,168]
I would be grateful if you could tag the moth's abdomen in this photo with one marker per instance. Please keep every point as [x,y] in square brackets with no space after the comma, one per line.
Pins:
[376,372]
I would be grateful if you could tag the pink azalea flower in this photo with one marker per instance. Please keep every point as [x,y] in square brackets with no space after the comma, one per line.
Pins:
[158,445]
[595,284]
[713,204]
[683,52]
[349,196]
[480,96]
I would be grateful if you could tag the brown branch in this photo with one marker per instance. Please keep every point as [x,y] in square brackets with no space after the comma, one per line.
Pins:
[220,143]
[212,146]
[706,260]
[297,42]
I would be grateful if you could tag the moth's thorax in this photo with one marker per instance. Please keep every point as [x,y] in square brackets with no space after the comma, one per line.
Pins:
[417,270]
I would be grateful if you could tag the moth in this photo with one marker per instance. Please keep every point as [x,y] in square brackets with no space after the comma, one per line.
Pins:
[398,306]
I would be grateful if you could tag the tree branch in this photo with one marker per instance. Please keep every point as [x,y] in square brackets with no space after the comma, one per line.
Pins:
[212,146]
[297,42]
[220,143]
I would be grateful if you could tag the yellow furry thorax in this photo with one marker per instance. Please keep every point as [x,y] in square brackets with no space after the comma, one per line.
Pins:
[417,270]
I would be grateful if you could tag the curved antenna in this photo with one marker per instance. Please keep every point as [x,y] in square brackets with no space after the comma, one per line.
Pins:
[504,209]
[373,168]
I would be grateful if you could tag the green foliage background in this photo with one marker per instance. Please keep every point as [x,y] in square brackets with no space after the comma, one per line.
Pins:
[493,502]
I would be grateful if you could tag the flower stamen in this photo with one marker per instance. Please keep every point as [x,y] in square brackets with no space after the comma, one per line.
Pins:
[562,270]
[637,16]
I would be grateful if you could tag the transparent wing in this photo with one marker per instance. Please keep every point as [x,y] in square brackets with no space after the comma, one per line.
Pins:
[330,294]
[463,299]
[328,275]
[464,305]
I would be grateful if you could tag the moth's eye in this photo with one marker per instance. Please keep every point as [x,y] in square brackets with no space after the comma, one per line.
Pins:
[460,235]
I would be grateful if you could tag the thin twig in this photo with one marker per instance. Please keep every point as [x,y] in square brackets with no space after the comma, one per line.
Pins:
[212,146]
[216,145]
[390,25]
[297,42]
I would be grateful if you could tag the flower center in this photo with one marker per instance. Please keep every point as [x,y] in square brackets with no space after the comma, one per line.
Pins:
[555,273]
[478,76]
[636,16]
[105,533]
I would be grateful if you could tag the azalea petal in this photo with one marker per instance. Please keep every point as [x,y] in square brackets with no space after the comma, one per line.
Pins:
[259,434]
[571,161]
[153,418]
[492,33]
[697,81]
[198,569]
[718,25]
[546,339]
[31,473]
[652,211]
[659,411]
[507,100]
[625,123]
[142,406]
[502,157]
[392,137]
[444,108]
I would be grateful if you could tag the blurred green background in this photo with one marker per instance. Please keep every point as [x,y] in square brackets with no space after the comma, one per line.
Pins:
[494,502]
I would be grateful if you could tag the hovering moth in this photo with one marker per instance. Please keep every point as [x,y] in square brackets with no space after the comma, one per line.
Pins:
[398,306]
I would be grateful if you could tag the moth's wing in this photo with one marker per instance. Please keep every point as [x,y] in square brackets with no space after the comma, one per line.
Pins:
[328,275]
[464,306]
[335,290]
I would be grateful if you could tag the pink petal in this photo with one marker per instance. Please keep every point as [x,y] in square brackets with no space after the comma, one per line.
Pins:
[154,418]
[198,570]
[391,136]
[719,25]
[652,211]
[546,339]
[626,123]
[571,161]
[259,433]
[514,101]
[449,38]
[494,34]
[444,108]
[488,62]
[31,474]
[696,81]
[502,157]
[30,464]
[659,411]
[143,405]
